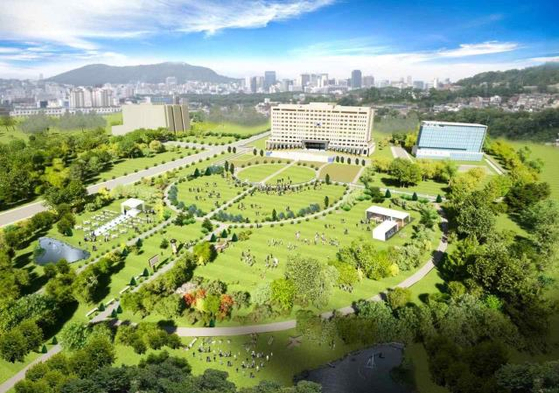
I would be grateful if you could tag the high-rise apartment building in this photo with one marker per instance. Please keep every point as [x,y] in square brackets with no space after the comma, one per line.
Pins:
[101,98]
[304,80]
[77,99]
[356,79]
[322,126]
[454,141]
[253,85]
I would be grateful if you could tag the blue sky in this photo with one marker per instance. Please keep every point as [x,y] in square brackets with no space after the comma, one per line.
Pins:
[387,39]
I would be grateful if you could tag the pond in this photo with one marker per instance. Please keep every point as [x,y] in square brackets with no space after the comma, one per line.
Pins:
[55,250]
[364,371]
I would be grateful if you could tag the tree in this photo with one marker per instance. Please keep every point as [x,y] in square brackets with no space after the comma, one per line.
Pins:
[523,196]
[313,280]
[234,238]
[429,216]
[13,346]
[232,168]
[204,252]
[327,178]
[475,218]
[439,198]
[254,152]
[213,238]
[326,201]
[405,172]
[387,194]
[414,196]
[224,234]
[398,297]
[542,222]
[282,292]
[66,224]
[207,225]
[261,153]
[98,353]
[164,244]
[74,335]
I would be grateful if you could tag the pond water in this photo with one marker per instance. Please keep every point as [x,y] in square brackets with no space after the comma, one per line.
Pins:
[364,371]
[56,250]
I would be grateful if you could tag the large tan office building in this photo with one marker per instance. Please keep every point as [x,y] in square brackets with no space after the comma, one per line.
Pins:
[322,126]
[152,116]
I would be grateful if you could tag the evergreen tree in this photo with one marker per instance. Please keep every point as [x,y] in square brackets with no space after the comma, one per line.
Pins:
[327,178]
[439,199]
[213,238]
[387,194]
[234,238]
[224,234]
[414,196]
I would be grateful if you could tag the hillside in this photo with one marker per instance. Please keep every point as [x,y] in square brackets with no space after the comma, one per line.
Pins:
[546,74]
[97,74]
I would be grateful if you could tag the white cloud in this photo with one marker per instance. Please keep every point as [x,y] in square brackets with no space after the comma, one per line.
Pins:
[550,59]
[484,48]
[78,23]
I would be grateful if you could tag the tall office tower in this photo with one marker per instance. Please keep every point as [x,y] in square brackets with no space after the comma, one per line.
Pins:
[418,85]
[253,85]
[269,79]
[409,80]
[322,80]
[368,81]
[356,79]
[322,126]
[304,80]
[259,83]
[454,141]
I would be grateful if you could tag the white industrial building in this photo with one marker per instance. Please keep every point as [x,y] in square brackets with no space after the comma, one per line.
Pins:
[322,126]
[153,116]
[390,221]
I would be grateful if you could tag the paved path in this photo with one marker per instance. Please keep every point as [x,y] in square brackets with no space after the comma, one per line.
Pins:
[10,383]
[400,152]
[494,167]
[358,175]
[20,213]
[263,181]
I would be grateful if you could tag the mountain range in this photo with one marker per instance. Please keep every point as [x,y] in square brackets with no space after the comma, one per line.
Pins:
[98,74]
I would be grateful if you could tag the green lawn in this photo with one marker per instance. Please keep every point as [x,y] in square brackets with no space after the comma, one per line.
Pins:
[280,241]
[260,205]
[384,152]
[340,172]
[230,128]
[131,165]
[207,192]
[209,139]
[428,187]
[294,175]
[10,135]
[135,264]
[260,143]
[257,173]
[283,364]
[550,157]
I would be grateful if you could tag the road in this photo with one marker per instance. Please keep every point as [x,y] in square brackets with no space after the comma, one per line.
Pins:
[20,213]
[400,152]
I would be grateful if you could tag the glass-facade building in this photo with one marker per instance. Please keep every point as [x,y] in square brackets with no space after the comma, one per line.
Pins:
[454,141]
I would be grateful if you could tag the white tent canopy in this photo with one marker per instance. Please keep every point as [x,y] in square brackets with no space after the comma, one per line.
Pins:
[133,205]
[383,211]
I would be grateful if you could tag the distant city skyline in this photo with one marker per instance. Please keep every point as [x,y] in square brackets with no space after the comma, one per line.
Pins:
[387,40]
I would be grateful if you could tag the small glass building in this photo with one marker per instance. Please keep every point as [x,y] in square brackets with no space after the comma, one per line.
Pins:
[454,141]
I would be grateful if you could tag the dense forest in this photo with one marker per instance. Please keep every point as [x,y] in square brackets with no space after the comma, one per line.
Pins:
[547,74]
[535,126]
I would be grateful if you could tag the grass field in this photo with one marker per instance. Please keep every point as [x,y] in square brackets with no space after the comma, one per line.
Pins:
[340,172]
[209,139]
[306,356]
[550,157]
[343,226]
[260,143]
[259,206]
[207,192]
[135,264]
[127,166]
[257,173]
[294,175]
[230,128]
[10,135]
